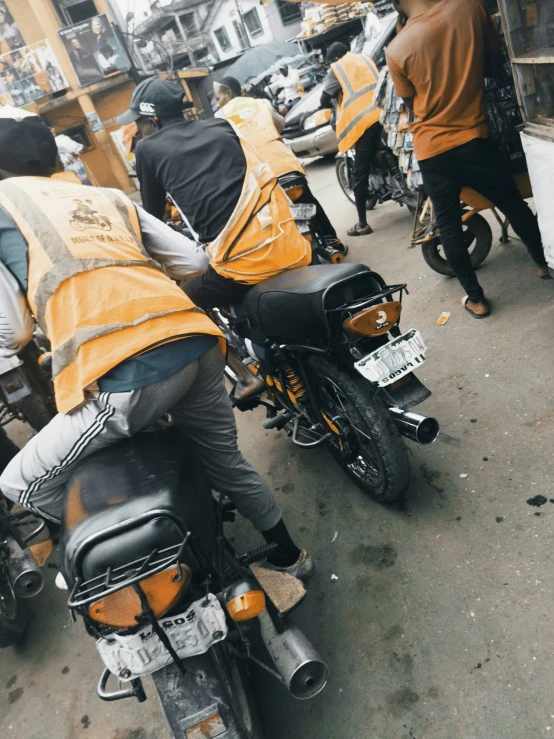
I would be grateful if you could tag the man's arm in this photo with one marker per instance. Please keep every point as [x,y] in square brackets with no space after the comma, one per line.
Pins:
[151,191]
[181,257]
[331,89]
[494,61]
[16,322]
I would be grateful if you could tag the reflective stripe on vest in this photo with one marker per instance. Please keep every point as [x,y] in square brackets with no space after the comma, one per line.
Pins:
[95,292]
[254,121]
[261,238]
[358,77]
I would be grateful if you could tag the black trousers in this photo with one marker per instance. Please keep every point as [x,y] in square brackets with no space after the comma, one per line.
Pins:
[322,222]
[211,290]
[364,150]
[479,165]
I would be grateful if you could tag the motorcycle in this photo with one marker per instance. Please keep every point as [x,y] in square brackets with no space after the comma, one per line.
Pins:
[20,574]
[386,181]
[164,592]
[338,371]
[295,184]
[26,394]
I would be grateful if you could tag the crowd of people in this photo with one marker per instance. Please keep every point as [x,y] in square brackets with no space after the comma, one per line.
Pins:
[160,352]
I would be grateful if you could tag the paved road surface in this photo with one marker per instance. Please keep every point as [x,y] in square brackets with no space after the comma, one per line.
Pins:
[440,623]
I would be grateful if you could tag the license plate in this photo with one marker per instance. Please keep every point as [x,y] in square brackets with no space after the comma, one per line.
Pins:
[302,211]
[395,360]
[190,633]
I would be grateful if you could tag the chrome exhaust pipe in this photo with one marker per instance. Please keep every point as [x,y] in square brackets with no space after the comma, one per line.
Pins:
[303,671]
[421,429]
[25,575]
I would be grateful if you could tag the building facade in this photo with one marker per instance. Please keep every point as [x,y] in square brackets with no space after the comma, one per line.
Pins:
[237,26]
[64,60]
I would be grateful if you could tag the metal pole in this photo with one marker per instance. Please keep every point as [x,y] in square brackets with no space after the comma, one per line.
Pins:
[245,30]
[184,37]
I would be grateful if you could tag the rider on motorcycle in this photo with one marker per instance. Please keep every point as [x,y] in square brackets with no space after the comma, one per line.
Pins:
[230,200]
[127,344]
[262,127]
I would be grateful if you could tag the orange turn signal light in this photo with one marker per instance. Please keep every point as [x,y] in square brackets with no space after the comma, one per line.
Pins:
[294,193]
[374,321]
[244,600]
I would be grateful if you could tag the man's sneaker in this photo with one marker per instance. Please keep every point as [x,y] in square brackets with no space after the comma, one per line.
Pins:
[303,568]
[544,273]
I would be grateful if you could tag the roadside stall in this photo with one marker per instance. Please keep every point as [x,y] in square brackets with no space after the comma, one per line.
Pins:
[529,30]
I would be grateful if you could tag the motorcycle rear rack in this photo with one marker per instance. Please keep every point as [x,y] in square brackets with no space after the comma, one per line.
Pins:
[387,292]
[85,592]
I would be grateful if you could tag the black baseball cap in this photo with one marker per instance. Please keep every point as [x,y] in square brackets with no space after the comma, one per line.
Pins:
[27,146]
[336,51]
[154,98]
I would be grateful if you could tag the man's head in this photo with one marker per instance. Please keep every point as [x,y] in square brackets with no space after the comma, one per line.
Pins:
[335,52]
[75,43]
[284,70]
[27,148]
[155,102]
[225,90]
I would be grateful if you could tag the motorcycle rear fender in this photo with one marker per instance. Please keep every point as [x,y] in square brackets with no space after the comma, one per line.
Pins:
[409,392]
[199,697]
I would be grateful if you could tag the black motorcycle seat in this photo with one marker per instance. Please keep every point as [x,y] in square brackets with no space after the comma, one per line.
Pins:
[131,498]
[291,305]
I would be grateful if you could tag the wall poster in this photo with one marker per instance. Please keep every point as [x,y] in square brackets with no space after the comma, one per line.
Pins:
[94,50]
[28,73]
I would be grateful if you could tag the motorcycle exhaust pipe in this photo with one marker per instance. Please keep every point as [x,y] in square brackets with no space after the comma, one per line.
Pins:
[304,672]
[25,575]
[422,429]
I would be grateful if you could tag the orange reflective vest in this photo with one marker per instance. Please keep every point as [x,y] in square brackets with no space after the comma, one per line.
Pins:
[357,76]
[92,287]
[261,238]
[254,121]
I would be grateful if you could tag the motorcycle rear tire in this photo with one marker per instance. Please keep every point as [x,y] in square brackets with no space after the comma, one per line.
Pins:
[13,623]
[387,444]
[478,229]
[342,177]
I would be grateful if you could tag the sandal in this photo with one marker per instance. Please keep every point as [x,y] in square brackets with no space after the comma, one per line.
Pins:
[355,231]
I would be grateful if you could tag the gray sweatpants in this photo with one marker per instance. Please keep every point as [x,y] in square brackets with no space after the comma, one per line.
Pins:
[200,407]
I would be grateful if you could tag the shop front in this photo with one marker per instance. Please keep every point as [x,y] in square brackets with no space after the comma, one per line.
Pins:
[529,30]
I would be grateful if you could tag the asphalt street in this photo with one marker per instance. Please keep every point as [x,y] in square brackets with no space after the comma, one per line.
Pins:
[439,625]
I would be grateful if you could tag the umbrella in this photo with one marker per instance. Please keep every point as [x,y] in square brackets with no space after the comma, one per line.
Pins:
[260,58]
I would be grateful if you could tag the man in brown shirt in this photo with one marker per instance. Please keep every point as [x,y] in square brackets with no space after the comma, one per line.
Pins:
[438,64]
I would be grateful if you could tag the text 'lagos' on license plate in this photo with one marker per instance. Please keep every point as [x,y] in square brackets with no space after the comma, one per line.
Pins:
[395,360]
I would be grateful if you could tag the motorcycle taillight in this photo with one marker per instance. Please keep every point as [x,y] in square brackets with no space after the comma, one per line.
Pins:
[123,608]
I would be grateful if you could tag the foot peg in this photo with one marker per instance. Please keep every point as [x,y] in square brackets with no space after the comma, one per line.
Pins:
[279,421]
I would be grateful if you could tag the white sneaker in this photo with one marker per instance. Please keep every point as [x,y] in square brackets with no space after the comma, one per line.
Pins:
[303,568]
